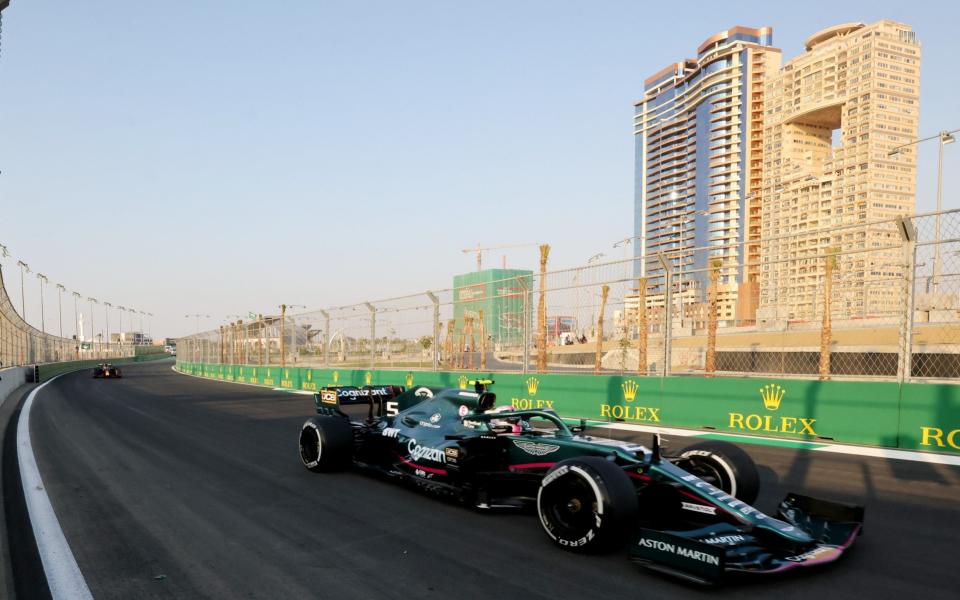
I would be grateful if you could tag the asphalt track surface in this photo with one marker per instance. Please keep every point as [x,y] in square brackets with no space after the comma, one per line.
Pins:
[169,486]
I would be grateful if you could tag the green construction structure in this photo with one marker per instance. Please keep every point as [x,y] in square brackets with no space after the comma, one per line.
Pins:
[499,293]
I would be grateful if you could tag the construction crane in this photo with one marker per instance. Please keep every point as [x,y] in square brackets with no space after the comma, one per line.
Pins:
[480,251]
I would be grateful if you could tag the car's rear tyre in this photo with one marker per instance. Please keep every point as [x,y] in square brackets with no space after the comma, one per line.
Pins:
[723,465]
[326,443]
[587,504]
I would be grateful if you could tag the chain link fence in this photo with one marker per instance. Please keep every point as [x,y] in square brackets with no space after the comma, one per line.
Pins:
[23,344]
[867,300]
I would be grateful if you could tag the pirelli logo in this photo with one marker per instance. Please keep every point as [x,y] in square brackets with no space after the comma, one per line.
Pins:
[328,396]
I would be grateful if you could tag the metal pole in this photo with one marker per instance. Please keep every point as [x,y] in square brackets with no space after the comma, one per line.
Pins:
[436,330]
[373,334]
[43,323]
[326,338]
[283,341]
[77,334]
[668,317]
[60,290]
[293,337]
[23,301]
[92,337]
[936,244]
[905,364]
[526,324]
[106,314]
[263,340]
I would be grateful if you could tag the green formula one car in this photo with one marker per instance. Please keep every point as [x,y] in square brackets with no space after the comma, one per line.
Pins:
[688,514]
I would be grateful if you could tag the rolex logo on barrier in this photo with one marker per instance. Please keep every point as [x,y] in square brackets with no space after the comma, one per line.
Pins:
[309,384]
[532,384]
[462,381]
[336,377]
[367,378]
[621,412]
[409,380]
[286,373]
[772,395]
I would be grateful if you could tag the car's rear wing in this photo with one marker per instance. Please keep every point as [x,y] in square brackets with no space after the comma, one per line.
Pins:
[329,400]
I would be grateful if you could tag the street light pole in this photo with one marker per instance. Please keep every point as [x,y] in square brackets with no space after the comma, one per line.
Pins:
[92,335]
[106,307]
[43,324]
[944,138]
[23,303]
[76,318]
[76,326]
[120,310]
[197,317]
[60,290]
[590,261]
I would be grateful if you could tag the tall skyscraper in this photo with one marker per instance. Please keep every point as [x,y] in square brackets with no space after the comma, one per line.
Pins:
[832,116]
[699,154]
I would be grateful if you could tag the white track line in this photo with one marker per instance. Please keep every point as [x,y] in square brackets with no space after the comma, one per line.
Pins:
[815,446]
[63,575]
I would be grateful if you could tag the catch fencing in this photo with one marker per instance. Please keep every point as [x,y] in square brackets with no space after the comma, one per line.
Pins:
[23,344]
[868,300]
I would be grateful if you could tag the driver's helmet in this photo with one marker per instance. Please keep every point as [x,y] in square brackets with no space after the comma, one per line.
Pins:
[505,425]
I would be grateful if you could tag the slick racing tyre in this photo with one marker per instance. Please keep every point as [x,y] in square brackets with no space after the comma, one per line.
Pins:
[587,504]
[724,466]
[326,443]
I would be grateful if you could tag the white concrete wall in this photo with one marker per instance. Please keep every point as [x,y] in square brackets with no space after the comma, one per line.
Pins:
[11,379]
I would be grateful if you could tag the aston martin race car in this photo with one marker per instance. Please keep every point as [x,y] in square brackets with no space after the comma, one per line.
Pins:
[106,371]
[686,514]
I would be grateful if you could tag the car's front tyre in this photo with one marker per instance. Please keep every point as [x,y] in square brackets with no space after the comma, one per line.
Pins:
[587,504]
[723,465]
[326,443]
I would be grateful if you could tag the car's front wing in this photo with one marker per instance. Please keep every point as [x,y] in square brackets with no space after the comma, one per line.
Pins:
[713,553]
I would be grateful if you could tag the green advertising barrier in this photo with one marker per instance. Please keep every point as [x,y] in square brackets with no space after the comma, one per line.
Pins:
[917,416]
[930,417]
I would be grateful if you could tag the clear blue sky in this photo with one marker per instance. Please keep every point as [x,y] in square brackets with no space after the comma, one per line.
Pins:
[224,157]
